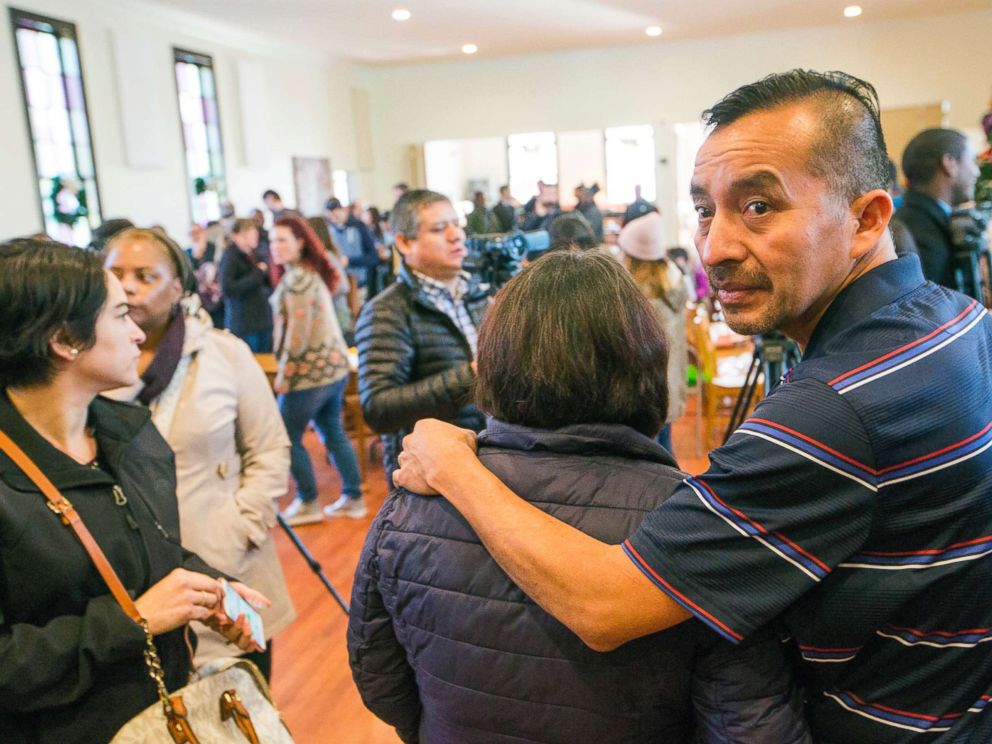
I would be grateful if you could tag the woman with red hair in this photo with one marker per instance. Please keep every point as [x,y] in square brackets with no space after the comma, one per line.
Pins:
[312,367]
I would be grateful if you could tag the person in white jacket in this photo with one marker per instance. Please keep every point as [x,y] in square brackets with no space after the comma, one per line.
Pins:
[213,405]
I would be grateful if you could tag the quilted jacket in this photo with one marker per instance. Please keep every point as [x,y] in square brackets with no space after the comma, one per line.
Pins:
[414,363]
[446,648]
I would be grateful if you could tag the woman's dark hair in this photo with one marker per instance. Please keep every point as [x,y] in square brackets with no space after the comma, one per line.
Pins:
[571,230]
[375,217]
[106,230]
[571,340]
[47,290]
[312,254]
[320,229]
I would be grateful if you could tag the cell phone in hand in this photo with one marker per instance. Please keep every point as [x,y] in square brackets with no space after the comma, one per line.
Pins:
[234,605]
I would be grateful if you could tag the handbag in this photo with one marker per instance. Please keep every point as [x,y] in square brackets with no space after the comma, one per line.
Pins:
[230,705]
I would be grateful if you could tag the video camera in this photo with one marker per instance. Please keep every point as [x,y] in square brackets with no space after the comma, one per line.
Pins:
[496,258]
[971,259]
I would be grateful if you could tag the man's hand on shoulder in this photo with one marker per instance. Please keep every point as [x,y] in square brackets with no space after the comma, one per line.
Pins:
[433,448]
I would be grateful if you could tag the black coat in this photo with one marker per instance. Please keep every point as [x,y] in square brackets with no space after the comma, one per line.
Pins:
[71,667]
[414,362]
[931,230]
[246,291]
[446,648]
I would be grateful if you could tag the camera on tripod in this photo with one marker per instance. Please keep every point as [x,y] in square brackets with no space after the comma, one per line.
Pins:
[774,355]
[971,259]
[497,257]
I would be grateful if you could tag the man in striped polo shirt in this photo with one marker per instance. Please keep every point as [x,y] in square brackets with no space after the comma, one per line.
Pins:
[853,510]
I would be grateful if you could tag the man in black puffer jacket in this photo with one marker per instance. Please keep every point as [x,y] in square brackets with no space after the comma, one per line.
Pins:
[446,648]
[417,339]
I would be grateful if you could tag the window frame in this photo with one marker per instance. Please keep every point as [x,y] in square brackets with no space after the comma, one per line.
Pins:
[554,144]
[188,56]
[60,29]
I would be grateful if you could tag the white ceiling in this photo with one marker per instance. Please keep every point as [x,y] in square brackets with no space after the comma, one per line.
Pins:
[363,29]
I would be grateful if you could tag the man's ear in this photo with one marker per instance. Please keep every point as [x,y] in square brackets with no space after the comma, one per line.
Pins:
[872,212]
[403,244]
[949,165]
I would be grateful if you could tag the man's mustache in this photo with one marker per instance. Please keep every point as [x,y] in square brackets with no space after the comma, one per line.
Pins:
[734,275]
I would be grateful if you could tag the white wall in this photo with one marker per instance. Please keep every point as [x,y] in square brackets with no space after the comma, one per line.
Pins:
[911,62]
[307,102]
[308,99]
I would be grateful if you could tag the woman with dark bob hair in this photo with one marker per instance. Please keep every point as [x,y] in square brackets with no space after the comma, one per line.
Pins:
[71,661]
[443,646]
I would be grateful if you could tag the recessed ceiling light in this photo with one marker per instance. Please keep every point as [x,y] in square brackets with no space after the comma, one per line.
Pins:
[401,14]
[470,48]
[852,11]
[653,30]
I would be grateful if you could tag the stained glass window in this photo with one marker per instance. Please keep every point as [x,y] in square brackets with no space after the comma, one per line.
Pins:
[205,172]
[55,101]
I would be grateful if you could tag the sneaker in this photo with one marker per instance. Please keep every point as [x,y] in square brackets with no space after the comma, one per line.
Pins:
[302,512]
[346,507]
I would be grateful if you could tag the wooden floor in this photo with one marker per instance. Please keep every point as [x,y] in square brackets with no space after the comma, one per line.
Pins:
[311,680]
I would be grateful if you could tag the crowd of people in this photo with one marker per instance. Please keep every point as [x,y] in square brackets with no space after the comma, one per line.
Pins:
[825,580]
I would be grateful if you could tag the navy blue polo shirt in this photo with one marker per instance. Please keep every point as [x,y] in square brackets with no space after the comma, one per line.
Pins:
[853,509]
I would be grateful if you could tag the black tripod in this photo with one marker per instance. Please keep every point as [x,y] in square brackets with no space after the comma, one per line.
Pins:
[774,355]
[312,562]
[971,259]
[972,275]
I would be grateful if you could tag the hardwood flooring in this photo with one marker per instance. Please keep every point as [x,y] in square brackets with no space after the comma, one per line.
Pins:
[312,683]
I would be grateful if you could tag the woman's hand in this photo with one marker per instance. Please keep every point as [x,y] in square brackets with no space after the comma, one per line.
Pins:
[177,599]
[252,596]
[238,630]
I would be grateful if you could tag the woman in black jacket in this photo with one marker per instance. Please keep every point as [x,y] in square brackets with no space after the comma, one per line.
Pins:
[443,646]
[71,664]
[245,285]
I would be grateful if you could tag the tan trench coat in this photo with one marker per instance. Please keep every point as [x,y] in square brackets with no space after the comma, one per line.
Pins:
[232,460]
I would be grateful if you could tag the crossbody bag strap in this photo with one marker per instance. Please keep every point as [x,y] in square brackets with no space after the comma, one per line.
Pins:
[61,506]
[175,712]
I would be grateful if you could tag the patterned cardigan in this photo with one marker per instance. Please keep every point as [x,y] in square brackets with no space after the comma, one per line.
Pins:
[308,344]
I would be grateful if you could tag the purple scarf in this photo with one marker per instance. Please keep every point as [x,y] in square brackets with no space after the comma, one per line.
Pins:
[170,350]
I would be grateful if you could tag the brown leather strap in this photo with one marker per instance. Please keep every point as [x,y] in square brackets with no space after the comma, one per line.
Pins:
[232,707]
[61,506]
[178,722]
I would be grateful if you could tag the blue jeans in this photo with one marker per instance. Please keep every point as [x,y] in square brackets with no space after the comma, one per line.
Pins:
[259,343]
[322,405]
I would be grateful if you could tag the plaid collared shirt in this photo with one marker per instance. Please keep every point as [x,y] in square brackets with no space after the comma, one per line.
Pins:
[451,304]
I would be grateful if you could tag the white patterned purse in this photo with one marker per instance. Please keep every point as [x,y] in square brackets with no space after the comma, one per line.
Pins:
[214,708]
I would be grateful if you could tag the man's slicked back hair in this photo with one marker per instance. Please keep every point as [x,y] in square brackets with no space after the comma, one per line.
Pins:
[405,219]
[849,152]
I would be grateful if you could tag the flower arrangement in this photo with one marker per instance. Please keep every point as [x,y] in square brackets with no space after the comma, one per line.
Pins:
[983,189]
